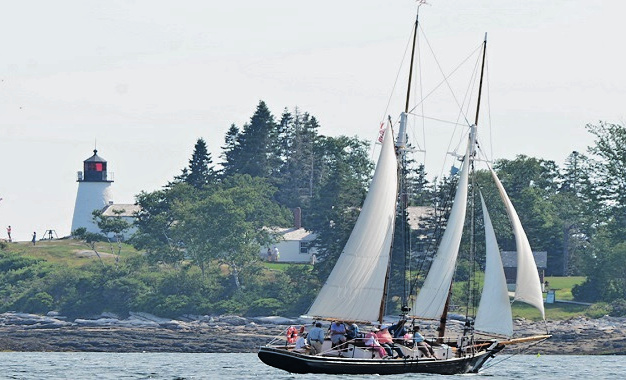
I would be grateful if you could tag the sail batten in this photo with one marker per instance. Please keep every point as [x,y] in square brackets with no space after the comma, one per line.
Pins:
[528,285]
[494,310]
[355,287]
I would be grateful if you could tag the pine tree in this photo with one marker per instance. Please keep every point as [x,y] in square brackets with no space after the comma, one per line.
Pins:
[231,151]
[200,171]
[253,151]
[299,174]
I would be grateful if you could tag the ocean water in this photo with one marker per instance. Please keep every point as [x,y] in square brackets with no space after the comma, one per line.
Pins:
[104,366]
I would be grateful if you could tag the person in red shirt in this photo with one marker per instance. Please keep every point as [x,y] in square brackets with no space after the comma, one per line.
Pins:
[386,340]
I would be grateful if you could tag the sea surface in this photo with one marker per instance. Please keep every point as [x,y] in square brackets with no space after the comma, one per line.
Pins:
[177,366]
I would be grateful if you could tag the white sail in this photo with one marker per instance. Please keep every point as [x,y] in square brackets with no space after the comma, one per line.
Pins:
[528,286]
[355,287]
[494,311]
[431,300]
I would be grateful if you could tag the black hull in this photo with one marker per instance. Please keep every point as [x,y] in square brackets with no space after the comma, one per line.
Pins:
[300,363]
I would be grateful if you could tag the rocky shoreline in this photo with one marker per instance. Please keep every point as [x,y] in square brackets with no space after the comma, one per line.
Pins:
[146,333]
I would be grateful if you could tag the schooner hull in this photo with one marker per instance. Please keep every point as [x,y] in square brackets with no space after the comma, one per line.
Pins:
[301,363]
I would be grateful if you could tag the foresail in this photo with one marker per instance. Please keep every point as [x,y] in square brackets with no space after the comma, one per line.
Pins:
[355,287]
[528,286]
[432,297]
[494,311]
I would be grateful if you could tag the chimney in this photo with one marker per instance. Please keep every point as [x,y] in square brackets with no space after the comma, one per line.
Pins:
[297,218]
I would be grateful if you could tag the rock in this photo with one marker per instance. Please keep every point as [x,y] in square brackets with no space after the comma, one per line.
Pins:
[233,320]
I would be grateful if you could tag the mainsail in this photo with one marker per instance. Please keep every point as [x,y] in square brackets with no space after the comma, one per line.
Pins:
[355,287]
[494,311]
[528,286]
[431,300]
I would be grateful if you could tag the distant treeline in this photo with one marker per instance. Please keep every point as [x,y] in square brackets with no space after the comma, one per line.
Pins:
[201,233]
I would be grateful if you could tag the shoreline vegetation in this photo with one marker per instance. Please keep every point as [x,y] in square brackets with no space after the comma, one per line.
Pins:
[142,332]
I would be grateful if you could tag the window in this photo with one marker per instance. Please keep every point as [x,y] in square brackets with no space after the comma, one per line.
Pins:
[304,247]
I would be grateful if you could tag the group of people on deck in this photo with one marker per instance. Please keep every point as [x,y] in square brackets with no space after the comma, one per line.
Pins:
[381,339]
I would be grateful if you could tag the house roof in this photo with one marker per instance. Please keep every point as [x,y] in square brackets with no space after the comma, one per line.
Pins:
[295,234]
[509,259]
[128,210]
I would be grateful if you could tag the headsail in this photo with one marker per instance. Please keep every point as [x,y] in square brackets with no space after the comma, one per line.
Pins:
[494,311]
[355,287]
[432,296]
[528,287]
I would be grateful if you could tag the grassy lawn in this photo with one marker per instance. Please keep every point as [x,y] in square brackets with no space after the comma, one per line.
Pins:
[563,291]
[70,252]
[563,286]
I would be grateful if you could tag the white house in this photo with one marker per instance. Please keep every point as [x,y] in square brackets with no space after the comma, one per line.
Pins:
[295,244]
[126,211]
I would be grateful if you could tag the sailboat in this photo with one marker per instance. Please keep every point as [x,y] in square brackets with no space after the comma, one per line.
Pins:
[356,289]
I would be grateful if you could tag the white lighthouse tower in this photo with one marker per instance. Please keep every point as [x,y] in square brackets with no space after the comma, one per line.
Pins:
[94,192]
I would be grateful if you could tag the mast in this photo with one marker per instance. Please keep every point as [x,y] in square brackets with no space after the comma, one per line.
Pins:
[401,147]
[472,152]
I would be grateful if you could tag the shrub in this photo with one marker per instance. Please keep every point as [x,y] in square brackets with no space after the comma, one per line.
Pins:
[598,310]
[265,306]
[618,308]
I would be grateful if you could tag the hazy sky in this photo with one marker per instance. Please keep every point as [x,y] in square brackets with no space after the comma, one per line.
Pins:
[146,78]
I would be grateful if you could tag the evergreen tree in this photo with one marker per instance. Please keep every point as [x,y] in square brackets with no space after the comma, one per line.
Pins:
[335,207]
[200,172]
[253,151]
[299,174]
[605,267]
[231,151]
[576,206]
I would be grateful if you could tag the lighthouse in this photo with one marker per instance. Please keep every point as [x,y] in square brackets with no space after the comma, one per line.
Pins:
[94,192]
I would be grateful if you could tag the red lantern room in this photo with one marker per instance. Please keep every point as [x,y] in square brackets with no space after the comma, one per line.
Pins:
[95,170]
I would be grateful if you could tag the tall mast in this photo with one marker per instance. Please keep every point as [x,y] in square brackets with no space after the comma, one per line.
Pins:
[444,316]
[401,146]
[480,85]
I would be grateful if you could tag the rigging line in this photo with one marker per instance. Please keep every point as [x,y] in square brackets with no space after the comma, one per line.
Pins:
[489,110]
[446,77]
[395,83]
[466,100]
[441,214]
[421,88]
[520,351]
[436,119]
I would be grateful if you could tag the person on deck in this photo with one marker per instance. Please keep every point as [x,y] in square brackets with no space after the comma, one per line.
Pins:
[398,331]
[421,344]
[386,340]
[337,334]
[372,341]
[353,332]
[301,345]
[316,338]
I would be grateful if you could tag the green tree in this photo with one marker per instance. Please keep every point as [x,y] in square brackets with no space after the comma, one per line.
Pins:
[115,225]
[299,175]
[200,172]
[156,220]
[253,150]
[575,207]
[604,267]
[227,224]
[346,171]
